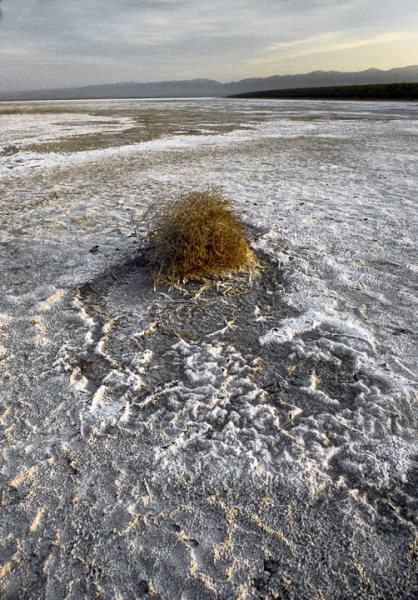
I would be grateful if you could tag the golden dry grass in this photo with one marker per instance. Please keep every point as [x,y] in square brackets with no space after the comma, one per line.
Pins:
[199,234]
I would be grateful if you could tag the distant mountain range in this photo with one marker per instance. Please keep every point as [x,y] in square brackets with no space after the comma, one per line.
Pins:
[198,88]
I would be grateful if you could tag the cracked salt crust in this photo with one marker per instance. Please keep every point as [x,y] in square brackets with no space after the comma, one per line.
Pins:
[297,404]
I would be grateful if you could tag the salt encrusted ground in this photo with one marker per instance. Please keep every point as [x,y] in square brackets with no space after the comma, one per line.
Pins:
[255,440]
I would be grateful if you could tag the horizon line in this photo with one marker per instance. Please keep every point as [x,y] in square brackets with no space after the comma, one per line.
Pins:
[195,79]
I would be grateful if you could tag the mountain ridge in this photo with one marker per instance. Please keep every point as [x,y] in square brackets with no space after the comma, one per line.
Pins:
[201,87]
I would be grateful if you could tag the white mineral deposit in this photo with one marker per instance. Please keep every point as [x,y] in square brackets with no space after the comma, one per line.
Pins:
[252,439]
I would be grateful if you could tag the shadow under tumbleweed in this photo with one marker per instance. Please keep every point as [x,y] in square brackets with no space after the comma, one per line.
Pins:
[202,311]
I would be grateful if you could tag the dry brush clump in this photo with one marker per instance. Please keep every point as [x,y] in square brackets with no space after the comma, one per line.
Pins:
[197,235]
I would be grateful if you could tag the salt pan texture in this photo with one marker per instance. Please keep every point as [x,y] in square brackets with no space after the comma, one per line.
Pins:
[257,439]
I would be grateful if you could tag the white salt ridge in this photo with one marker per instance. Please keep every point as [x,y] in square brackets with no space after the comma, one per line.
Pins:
[310,321]
[21,130]
[24,161]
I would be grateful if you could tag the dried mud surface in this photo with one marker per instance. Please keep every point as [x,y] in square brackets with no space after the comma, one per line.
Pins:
[253,439]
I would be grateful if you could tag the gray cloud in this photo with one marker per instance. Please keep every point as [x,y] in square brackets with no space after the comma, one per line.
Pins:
[92,41]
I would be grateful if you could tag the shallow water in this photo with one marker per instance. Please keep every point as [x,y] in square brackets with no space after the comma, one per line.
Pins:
[239,442]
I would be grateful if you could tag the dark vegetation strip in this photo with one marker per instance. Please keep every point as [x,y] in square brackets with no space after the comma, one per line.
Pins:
[391,91]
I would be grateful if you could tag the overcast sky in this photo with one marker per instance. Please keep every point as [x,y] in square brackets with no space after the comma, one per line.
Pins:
[62,43]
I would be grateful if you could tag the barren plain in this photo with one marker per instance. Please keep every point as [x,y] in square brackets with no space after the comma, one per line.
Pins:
[256,439]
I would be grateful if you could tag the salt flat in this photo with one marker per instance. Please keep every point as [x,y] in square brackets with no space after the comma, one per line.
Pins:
[255,440]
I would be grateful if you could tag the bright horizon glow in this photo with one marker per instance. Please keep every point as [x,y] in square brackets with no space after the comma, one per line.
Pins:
[56,44]
[330,51]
